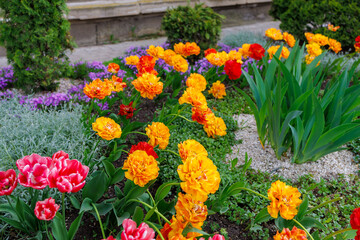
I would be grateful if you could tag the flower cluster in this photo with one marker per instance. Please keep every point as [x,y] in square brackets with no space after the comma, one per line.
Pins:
[187,49]
[39,172]
[357,44]
[276,35]
[218,90]
[200,178]
[284,51]
[315,42]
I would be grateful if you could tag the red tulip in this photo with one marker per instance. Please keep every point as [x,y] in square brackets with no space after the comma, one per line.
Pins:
[34,170]
[210,50]
[143,232]
[257,52]
[355,219]
[8,182]
[46,210]
[70,177]
[145,147]
[233,69]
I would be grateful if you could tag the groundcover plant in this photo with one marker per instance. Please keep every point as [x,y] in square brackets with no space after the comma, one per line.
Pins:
[123,190]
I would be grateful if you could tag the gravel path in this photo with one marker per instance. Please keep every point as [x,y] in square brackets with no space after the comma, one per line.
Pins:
[328,167]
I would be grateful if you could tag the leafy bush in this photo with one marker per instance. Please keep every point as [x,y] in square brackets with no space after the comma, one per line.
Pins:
[292,111]
[238,39]
[199,24]
[35,35]
[23,132]
[300,16]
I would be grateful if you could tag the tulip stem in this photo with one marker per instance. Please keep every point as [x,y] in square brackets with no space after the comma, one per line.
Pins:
[152,199]
[323,204]
[137,133]
[156,229]
[98,216]
[147,205]
[337,232]
[252,191]
[298,223]
[178,115]
[47,231]
[171,152]
[63,204]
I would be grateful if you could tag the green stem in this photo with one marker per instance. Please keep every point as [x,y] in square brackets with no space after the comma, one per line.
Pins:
[92,153]
[298,223]
[252,191]
[172,114]
[154,203]
[171,152]
[156,229]
[147,205]
[47,231]
[137,133]
[90,109]
[337,232]
[125,151]
[63,204]
[98,216]
[323,204]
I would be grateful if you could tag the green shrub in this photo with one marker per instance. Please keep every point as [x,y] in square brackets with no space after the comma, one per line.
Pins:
[199,24]
[300,16]
[35,35]
[23,132]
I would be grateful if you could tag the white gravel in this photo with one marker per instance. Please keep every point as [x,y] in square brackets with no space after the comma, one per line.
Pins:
[328,167]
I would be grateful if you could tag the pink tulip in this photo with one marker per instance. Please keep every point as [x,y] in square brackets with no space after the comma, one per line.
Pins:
[46,210]
[34,170]
[215,237]
[110,238]
[8,182]
[143,232]
[67,175]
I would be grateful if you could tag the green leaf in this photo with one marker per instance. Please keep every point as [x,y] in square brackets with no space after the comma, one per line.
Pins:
[109,168]
[75,202]
[262,216]
[138,215]
[118,176]
[163,190]
[75,226]
[96,187]
[309,222]
[86,205]
[303,208]
[58,227]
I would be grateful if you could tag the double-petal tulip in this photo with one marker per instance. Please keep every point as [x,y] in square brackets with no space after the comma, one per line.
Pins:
[8,182]
[70,177]
[34,170]
[46,210]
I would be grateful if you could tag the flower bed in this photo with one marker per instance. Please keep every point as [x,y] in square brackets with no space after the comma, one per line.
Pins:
[167,126]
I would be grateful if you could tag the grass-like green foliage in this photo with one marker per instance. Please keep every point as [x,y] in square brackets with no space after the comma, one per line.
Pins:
[300,16]
[238,39]
[291,109]
[36,36]
[23,132]
[192,24]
